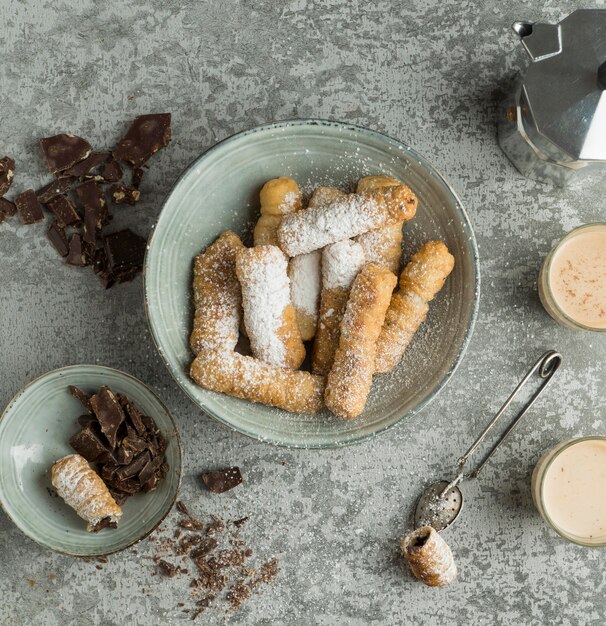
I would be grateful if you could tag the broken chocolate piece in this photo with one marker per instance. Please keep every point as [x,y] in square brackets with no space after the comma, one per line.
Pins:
[7,207]
[137,177]
[86,420]
[125,252]
[80,395]
[79,253]
[87,443]
[108,411]
[123,194]
[64,211]
[92,224]
[111,172]
[134,467]
[7,173]
[30,210]
[91,196]
[56,235]
[221,481]
[84,167]
[64,151]
[145,136]
[57,187]
[168,569]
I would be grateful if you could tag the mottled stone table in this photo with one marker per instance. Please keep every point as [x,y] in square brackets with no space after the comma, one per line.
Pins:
[429,73]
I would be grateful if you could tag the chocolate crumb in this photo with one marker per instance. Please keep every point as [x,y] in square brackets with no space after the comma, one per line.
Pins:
[168,569]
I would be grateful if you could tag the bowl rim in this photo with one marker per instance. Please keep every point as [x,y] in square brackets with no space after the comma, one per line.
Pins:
[177,439]
[433,171]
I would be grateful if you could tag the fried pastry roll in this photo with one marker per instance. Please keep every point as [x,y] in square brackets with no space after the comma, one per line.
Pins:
[248,378]
[341,263]
[343,218]
[83,490]
[420,281]
[305,285]
[325,195]
[350,378]
[278,197]
[383,245]
[269,316]
[217,296]
[429,557]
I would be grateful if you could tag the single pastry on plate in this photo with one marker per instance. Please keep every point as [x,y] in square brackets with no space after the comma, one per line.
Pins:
[345,217]
[217,296]
[83,490]
[251,379]
[350,379]
[420,281]
[383,245]
[269,316]
[429,557]
[278,197]
[341,263]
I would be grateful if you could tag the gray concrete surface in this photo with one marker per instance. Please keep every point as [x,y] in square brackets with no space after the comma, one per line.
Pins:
[429,73]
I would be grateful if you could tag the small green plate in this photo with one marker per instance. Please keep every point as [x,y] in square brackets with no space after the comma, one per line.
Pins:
[34,432]
[220,191]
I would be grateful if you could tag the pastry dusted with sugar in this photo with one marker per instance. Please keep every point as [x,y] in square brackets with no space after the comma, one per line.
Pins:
[325,195]
[429,557]
[420,281]
[383,245]
[217,296]
[278,197]
[350,379]
[344,218]
[305,285]
[83,490]
[248,378]
[269,316]
[341,263]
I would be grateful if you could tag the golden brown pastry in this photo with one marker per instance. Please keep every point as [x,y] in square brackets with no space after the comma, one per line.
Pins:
[217,296]
[251,379]
[85,492]
[343,218]
[420,281]
[429,557]
[278,197]
[269,316]
[341,263]
[350,379]
[383,245]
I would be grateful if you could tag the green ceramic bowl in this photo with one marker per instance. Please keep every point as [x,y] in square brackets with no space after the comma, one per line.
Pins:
[219,191]
[34,432]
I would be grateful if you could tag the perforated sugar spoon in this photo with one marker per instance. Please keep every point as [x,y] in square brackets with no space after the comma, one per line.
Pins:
[441,503]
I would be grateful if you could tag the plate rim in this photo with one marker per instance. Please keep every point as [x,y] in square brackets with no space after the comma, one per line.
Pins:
[467,225]
[120,372]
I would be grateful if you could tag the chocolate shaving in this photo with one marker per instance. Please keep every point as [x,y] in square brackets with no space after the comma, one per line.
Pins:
[221,481]
[145,136]
[7,173]
[64,151]
[29,208]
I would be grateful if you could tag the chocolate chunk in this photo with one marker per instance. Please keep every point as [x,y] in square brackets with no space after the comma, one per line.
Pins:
[80,395]
[118,496]
[137,177]
[64,151]
[88,444]
[145,136]
[91,195]
[123,194]
[124,455]
[30,210]
[168,569]
[111,172]
[129,486]
[134,467]
[92,224]
[151,483]
[86,420]
[7,173]
[84,167]
[108,411]
[222,480]
[56,235]
[57,187]
[79,253]
[125,252]
[106,522]
[7,207]
[64,210]
[134,415]
[108,470]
